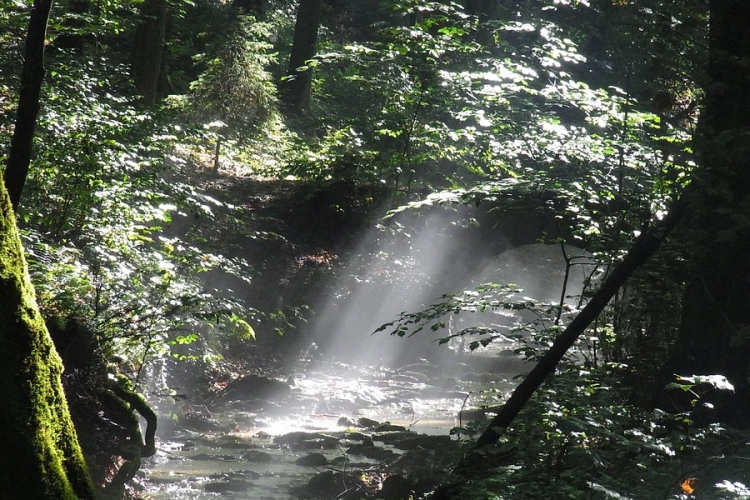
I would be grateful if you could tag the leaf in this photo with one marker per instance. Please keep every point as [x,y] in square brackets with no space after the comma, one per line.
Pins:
[245,331]
[688,485]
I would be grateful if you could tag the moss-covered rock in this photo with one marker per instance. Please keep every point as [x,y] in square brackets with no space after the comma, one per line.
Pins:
[40,457]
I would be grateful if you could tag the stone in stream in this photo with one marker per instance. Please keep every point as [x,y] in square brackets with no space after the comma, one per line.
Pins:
[307,441]
[257,456]
[227,486]
[367,423]
[330,484]
[312,460]
[254,387]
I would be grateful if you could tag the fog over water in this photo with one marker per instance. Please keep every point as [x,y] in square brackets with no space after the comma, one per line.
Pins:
[394,273]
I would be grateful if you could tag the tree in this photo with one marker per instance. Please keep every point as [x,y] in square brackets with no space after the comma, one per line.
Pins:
[148,52]
[40,456]
[236,91]
[296,89]
[32,76]
[714,334]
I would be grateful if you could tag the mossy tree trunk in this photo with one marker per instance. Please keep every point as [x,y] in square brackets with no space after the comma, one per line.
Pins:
[40,457]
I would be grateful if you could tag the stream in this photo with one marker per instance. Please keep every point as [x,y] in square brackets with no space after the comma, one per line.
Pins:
[264,449]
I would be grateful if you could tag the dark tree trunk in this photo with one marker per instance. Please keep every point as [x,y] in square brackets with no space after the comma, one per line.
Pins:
[148,51]
[32,76]
[645,246]
[40,457]
[296,90]
[714,333]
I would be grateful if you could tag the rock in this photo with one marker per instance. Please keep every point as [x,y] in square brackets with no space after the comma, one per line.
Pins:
[257,456]
[345,422]
[307,441]
[396,488]
[330,484]
[389,427]
[367,423]
[229,441]
[254,387]
[312,460]
[422,441]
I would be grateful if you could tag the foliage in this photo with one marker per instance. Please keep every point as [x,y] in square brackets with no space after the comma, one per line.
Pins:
[97,207]
[578,438]
[236,89]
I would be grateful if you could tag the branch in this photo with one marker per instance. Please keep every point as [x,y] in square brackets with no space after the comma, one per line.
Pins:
[645,246]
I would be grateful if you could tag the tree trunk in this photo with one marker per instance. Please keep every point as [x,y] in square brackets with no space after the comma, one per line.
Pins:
[714,333]
[40,457]
[645,246]
[296,90]
[148,51]
[32,76]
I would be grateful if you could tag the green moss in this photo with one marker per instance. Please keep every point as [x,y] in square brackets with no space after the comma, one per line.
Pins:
[39,453]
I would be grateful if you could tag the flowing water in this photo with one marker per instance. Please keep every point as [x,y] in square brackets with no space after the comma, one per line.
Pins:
[238,451]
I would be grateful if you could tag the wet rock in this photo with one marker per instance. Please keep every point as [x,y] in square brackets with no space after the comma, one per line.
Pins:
[254,387]
[257,456]
[243,475]
[390,437]
[396,488]
[330,484]
[228,441]
[422,441]
[367,423]
[226,486]
[307,441]
[388,427]
[345,422]
[199,423]
[312,460]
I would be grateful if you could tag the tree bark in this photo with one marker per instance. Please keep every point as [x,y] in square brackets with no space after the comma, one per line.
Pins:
[645,246]
[148,51]
[39,453]
[296,90]
[32,76]
[714,332]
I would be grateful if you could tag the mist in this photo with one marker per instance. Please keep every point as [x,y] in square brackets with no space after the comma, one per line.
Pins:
[407,270]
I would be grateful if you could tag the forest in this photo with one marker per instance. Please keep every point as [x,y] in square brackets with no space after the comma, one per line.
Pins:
[395,249]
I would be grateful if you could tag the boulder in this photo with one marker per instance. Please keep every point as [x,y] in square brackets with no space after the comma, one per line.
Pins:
[255,387]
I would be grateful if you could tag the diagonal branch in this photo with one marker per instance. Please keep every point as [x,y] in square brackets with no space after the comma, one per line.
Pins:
[645,246]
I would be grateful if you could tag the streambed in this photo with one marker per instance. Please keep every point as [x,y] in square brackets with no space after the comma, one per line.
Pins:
[332,421]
